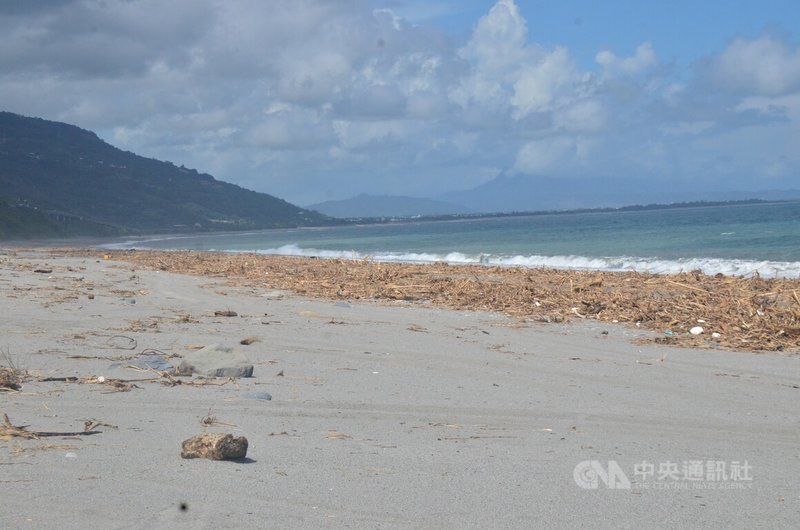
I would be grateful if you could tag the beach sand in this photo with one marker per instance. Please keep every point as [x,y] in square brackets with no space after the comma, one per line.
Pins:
[397,415]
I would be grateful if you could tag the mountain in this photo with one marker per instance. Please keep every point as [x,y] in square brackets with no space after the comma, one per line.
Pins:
[519,193]
[59,180]
[386,206]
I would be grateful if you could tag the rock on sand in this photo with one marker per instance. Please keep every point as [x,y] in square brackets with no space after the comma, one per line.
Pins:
[216,361]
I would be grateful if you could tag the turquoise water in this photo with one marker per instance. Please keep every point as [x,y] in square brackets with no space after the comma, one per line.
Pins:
[733,239]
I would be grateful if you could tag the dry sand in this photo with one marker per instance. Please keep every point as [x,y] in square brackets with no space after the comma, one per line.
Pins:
[384,416]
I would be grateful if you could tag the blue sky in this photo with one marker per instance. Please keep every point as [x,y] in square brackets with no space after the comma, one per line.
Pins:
[683,30]
[320,99]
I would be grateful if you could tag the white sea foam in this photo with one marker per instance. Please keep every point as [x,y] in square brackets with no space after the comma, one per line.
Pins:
[728,267]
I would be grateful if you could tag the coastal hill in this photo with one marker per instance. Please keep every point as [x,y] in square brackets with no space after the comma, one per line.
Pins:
[58,180]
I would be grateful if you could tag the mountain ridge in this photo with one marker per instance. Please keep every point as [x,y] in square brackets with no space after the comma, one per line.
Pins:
[69,175]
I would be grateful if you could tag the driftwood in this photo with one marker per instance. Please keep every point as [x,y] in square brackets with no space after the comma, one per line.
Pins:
[745,313]
[10,379]
[119,385]
[8,431]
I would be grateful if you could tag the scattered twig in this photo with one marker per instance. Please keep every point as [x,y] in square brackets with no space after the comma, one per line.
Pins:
[209,420]
[333,435]
[9,431]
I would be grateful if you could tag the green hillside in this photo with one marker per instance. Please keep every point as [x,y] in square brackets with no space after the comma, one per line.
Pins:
[58,179]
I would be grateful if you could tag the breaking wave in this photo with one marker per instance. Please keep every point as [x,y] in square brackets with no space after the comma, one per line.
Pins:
[728,267]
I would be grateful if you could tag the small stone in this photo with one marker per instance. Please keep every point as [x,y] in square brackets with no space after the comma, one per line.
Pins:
[697,330]
[261,396]
[716,335]
[215,446]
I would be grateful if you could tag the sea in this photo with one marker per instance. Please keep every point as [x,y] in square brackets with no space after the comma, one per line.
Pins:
[760,239]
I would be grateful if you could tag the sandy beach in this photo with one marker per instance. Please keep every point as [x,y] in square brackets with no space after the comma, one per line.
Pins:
[393,412]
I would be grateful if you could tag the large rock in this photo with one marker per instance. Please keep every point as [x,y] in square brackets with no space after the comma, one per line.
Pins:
[216,361]
[215,446]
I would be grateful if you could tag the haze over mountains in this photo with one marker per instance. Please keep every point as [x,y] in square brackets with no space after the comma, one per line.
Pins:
[365,205]
[518,193]
[60,180]
[57,180]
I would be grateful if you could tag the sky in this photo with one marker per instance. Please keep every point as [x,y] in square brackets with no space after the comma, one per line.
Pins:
[313,100]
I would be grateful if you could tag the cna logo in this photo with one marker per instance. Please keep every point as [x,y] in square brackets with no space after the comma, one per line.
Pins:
[590,473]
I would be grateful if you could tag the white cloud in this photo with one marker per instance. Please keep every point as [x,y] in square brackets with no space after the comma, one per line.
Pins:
[586,116]
[642,60]
[763,66]
[782,106]
[541,83]
[544,156]
[293,129]
[510,76]
[337,97]
[499,40]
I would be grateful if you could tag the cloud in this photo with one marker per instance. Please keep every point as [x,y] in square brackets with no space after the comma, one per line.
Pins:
[291,128]
[761,66]
[510,76]
[86,39]
[545,156]
[317,99]
[642,60]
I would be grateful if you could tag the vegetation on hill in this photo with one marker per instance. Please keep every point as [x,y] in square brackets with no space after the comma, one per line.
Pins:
[72,183]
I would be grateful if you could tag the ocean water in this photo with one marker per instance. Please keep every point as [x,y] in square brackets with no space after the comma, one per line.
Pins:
[744,239]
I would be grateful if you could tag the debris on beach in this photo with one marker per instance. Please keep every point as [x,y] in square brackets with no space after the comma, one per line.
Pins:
[226,313]
[215,446]
[9,431]
[749,313]
[248,341]
[208,420]
[10,379]
[335,435]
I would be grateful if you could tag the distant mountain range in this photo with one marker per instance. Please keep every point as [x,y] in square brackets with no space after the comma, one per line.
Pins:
[365,205]
[521,193]
[58,180]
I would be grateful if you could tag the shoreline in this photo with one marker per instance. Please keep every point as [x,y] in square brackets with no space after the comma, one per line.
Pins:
[745,314]
[384,412]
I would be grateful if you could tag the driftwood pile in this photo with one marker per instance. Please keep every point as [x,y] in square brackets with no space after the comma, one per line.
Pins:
[750,313]
[10,379]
